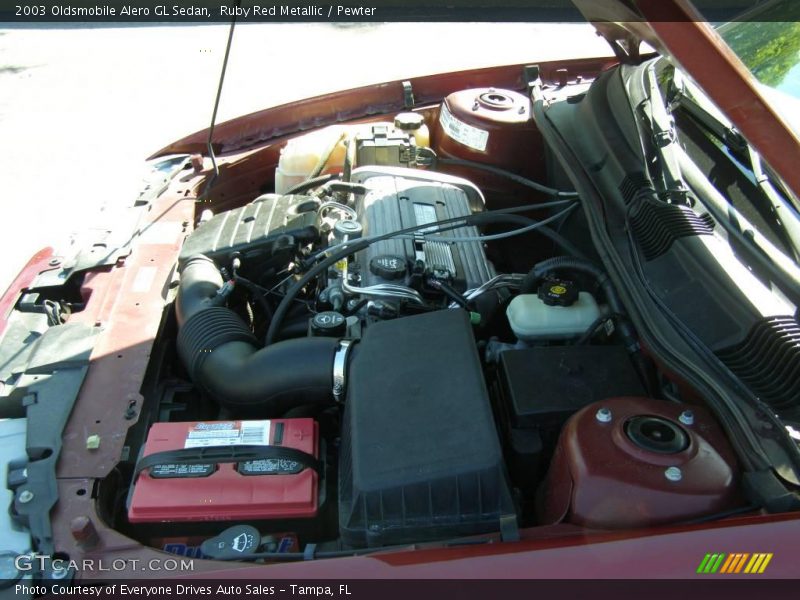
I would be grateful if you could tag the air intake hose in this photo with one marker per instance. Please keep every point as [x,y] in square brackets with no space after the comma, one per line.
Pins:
[226,361]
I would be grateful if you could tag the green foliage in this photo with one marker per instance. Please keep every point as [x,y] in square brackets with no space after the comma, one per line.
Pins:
[770,48]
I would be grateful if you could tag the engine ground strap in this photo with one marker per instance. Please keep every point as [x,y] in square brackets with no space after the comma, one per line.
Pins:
[340,369]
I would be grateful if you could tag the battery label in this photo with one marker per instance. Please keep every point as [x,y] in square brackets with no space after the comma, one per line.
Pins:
[270,466]
[463,132]
[173,470]
[228,433]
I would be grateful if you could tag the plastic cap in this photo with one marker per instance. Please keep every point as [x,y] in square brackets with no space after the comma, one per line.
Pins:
[388,266]
[409,121]
[351,229]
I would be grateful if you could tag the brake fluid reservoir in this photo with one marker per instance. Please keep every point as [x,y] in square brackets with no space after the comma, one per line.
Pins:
[532,319]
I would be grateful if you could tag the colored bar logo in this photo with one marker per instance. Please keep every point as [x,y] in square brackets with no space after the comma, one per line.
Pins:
[728,564]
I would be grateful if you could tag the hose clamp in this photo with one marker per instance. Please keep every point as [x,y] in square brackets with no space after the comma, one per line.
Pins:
[340,369]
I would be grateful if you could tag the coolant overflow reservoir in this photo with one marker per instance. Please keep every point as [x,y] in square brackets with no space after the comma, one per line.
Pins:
[531,319]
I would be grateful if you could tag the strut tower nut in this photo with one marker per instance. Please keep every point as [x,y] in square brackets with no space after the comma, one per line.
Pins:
[603,415]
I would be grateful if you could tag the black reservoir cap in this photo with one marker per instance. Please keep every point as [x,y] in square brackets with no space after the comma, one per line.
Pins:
[345,228]
[558,292]
[328,324]
[388,266]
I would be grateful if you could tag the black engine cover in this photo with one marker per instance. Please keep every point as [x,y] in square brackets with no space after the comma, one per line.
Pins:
[264,232]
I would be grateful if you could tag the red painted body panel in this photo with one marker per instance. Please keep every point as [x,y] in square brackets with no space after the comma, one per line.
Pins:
[272,124]
[513,141]
[600,478]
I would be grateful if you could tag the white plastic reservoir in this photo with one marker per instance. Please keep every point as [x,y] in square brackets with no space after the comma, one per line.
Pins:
[533,320]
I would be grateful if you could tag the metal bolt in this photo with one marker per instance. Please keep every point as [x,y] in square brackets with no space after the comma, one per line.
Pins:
[687,417]
[603,415]
[25,496]
[196,162]
[673,474]
[84,531]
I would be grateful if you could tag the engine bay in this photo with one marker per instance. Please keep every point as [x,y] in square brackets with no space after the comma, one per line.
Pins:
[404,342]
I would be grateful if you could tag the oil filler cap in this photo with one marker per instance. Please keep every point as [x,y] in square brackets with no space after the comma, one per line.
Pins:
[558,292]
[234,542]
[388,267]
[656,434]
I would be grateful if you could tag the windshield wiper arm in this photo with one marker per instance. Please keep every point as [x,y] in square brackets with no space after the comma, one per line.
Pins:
[705,113]
[662,127]
[782,210]
[678,168]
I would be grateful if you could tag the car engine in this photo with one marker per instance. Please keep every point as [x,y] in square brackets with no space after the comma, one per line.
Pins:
[381,352]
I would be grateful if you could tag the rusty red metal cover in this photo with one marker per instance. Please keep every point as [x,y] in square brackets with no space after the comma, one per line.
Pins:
[639,465]
[493,126]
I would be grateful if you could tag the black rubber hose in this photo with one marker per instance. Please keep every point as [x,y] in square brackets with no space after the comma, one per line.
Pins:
[224,358]
[450,293]
[200,282]
[592,329]
[561,263]
[568,263]
[256,293]
[282,376]
[357,245]
[508,175]
[293,329]
[308,184]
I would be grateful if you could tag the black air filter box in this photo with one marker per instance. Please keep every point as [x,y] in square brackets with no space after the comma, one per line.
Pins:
[420,456]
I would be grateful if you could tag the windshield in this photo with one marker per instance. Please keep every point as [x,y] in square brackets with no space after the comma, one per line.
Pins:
[767,41]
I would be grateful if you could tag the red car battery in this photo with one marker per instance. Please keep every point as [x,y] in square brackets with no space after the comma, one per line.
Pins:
[227,470]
